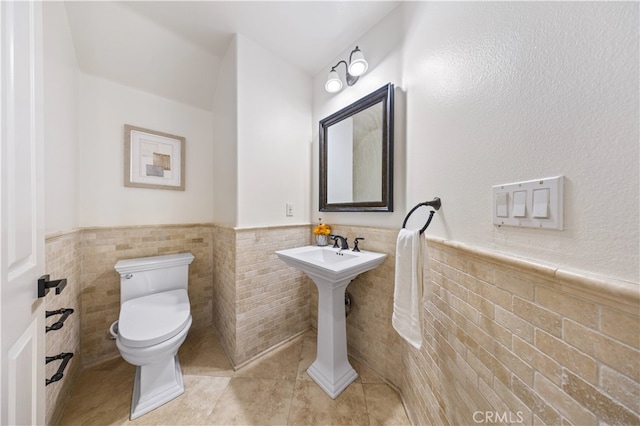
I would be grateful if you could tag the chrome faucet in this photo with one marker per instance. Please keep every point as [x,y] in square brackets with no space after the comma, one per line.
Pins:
[343,242]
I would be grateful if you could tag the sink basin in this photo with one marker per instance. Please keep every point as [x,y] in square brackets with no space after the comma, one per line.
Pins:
[331,270]
[329,263]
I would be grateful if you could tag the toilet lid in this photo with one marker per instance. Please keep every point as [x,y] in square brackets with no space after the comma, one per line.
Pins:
[149,320]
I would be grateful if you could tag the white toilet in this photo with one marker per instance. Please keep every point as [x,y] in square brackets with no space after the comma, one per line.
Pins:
[155,316]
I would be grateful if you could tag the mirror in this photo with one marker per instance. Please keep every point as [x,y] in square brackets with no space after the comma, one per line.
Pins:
[356,155]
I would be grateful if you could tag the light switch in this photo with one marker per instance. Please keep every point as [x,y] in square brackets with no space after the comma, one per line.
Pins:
[519,203]
[502,208]
[536,203]
[541,203]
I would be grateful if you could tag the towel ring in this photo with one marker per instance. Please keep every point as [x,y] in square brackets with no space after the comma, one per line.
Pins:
[435,203]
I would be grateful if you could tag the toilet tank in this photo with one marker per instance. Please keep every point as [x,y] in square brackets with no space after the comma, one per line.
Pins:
[148,275]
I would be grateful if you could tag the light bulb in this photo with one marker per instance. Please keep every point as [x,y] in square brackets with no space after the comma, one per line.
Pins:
[333,84]
[358,65]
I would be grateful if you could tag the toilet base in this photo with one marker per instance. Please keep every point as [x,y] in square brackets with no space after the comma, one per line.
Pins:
[155,385]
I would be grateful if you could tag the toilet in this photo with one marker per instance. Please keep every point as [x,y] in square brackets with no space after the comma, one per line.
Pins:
[155,317]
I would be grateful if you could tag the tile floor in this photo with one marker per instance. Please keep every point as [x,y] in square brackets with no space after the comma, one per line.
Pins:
[272,390]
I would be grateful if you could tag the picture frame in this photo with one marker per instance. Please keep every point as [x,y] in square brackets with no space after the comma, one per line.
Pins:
[153,159]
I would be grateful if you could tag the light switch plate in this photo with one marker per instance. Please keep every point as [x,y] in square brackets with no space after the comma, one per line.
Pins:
[533,213]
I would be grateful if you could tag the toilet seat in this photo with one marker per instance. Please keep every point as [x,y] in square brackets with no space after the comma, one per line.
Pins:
[149,320]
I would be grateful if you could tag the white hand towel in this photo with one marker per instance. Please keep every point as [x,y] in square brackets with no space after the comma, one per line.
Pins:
[407,295]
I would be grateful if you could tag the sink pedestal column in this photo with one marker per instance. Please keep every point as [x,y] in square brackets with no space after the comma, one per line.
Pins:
[331,369]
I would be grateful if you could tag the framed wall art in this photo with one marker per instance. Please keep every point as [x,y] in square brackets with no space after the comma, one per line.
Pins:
[153,159]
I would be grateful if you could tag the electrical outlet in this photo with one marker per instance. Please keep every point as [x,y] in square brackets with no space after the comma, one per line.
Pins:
[289,209]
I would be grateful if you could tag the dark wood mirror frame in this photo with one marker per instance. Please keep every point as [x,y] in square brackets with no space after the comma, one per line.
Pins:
[383,95]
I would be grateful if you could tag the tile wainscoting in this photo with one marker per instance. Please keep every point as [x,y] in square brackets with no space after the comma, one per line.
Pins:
[536,344]
[504,340]
[86,257]
[511,337]
[501,336]
[62,260]
[101,248]
[224,289]
[258,302]
[255,303]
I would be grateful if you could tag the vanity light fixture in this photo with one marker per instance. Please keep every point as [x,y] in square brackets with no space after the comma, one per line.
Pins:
[355,68]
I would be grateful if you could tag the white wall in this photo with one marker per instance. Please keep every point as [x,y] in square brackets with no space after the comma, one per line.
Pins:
[225,136]
[105,107]
[61,124]
[274,138]
[507,91]
[157,60]
[382,48]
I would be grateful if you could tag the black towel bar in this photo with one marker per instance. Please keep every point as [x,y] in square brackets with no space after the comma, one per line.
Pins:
[65,357]
[65,312]
[435,203]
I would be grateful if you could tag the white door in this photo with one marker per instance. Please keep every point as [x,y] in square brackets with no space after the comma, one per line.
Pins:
[22,316]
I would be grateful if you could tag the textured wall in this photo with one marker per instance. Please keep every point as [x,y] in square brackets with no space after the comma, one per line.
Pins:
[100,250]
[62,258]
[500,92]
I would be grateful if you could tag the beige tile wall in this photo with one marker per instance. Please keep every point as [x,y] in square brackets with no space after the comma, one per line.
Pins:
[519,337]
[62,260]
[101,248]
[258,301]
[504,339]
[255,304]
[224,288]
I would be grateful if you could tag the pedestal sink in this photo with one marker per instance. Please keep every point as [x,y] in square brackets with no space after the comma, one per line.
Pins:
[331,270]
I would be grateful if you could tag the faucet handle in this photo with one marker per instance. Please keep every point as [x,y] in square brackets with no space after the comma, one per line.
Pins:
[355,242]
[343,242]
